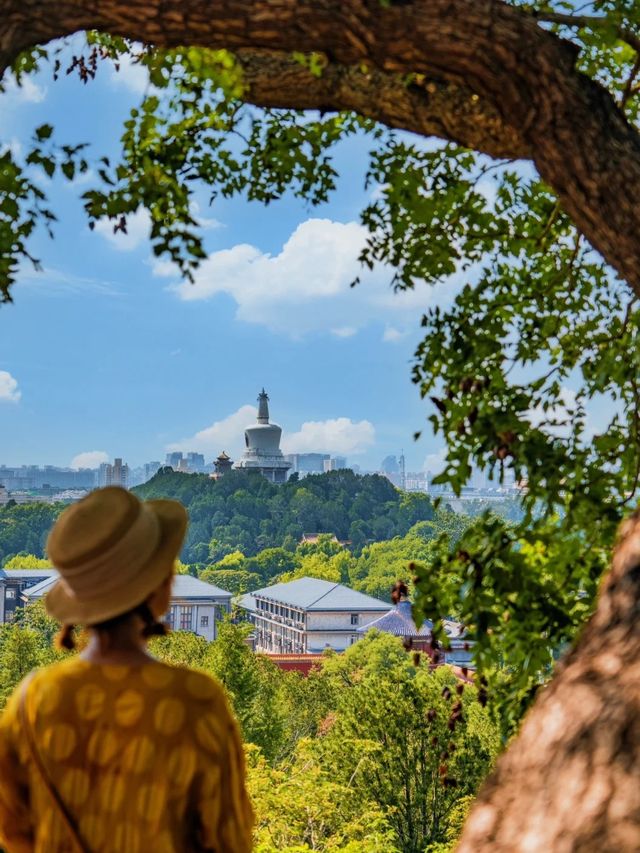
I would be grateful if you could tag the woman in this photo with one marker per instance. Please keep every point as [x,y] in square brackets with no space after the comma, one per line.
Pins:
[112,750]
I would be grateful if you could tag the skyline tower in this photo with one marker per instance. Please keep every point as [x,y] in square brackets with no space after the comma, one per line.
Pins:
[262,442]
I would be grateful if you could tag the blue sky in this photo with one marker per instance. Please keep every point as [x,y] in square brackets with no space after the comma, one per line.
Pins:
[108,352]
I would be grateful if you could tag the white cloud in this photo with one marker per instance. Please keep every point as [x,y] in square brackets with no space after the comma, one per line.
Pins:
[25,92]
[434,462]
[336,435]
[207,223]
[137,231]
[226,434]
[305,288]
[130,75]
[54,282]
[13,145]
[89,459]
[391,335]
[9,392]
[344,332]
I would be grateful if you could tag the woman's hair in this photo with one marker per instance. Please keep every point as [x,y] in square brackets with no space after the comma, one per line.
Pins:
[151,626]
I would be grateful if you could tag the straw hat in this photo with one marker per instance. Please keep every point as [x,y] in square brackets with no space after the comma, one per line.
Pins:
[112,551]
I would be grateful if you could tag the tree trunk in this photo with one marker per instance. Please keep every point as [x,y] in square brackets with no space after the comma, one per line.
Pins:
[570,781]
[523,77]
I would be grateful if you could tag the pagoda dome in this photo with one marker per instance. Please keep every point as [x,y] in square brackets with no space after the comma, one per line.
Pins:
[262,443]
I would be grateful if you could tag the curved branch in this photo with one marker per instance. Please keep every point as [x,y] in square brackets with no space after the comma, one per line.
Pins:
[428,107]
[579,140]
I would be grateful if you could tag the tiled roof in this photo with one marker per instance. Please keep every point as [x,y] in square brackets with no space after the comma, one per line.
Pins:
[39,589]
[247,601]
[184,586]
[26,574]
[313,594]
[399,622]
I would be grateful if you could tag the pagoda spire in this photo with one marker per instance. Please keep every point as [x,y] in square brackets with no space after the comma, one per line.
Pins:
[263,407]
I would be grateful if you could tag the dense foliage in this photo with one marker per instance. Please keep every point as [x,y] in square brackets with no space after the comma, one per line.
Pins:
[369,754]
[245,512]
[24,529]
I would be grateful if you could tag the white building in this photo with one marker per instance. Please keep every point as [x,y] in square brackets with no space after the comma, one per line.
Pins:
[262,441]
[196,606]
[14,582]
[309,615]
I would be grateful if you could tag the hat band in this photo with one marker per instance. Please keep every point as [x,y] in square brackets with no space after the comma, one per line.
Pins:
[111,568]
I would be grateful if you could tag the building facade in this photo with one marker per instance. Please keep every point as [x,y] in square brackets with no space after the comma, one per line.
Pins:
[28,477]
[335,463]
[307,463]
[309,615]
[195,606]
[13,583]
[114,475]
[262,446]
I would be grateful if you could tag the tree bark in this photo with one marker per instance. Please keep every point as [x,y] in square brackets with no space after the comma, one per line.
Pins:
[428,107]
[570,781]
[569,125]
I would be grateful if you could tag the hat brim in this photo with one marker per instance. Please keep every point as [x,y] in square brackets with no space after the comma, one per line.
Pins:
[64,606]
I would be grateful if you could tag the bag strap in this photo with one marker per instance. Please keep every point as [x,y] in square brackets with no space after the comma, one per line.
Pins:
[42,770]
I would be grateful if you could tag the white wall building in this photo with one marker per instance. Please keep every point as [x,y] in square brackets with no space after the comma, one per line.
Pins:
[309,615]
[196,606]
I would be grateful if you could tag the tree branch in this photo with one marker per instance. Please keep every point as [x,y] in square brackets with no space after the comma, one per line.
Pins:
[591,22]
[578,138]
[427,107]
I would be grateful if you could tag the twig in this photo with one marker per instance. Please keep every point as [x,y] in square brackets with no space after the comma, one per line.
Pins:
[591,21]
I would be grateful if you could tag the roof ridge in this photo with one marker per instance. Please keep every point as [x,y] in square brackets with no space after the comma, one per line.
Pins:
[324,594]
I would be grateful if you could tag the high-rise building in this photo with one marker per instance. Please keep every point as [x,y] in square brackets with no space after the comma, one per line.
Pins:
[174,459]
[151,469]
[262,441]
[307,463]
[335,463]
[32,477]
[114,475]
[195,462]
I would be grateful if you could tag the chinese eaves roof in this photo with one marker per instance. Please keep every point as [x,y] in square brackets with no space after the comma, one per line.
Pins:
[399,622]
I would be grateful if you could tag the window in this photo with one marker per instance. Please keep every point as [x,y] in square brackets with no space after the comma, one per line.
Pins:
[204,621]
[185,618]
[11,593]
[354,638]
[171,617]
[355,618]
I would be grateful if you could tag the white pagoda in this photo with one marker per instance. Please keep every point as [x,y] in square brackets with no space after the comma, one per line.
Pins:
[262,442]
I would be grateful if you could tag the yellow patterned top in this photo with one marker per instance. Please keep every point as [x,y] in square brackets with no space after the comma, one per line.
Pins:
[146,758]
